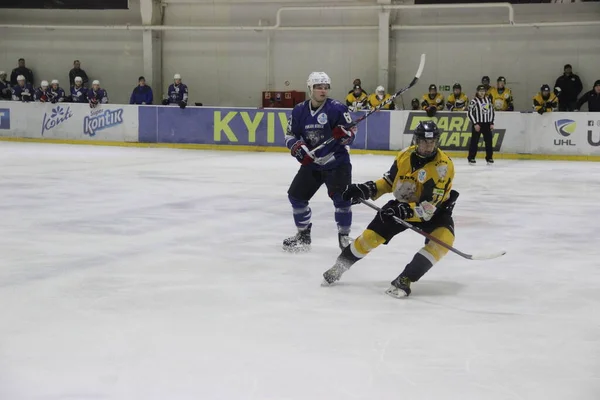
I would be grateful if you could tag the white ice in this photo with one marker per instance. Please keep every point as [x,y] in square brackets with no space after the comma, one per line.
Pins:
[131,273]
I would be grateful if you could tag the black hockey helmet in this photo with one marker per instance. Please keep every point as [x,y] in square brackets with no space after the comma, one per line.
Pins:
[545,88]
[597,83]
[427,138]
[485,80]
[457,86]
[480,87]
[433,86]
[415,101]
[501,79]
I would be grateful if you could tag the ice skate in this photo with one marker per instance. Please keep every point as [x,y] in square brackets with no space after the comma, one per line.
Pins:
[472,162]
[298,243]
[490,161]
[342,264]
[400,287]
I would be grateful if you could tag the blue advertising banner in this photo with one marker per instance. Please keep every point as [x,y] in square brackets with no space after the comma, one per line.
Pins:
[4,118]
[240,126]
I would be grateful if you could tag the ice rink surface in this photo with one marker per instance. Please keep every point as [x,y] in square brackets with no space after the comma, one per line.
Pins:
[131,273]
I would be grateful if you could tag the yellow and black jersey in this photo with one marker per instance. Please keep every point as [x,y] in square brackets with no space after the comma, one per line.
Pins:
[374,102]
[551,104]
[437,101]
[503,101]
[357,103]
[457,104]
[423,185]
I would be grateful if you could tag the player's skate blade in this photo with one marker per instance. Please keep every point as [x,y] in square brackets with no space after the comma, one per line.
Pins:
[396,292]
[400,287]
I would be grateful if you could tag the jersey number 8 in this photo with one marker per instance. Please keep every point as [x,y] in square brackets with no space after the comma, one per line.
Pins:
[348,117]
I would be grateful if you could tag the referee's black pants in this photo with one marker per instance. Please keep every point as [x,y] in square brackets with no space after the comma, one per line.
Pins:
[486,130]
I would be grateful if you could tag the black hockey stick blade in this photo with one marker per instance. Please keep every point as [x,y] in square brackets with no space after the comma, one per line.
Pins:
[381,105]
[478,257]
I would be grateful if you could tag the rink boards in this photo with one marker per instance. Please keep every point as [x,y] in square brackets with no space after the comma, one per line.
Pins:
[552,135]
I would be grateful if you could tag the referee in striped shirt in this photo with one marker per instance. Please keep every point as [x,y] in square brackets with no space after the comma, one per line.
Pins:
[481,114]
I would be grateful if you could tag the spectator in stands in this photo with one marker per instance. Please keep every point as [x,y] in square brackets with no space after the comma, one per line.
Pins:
[21,70]
[570,87]
[5,91]
[77,71]
[545,101]
[22,91]
[379,97]
[356,83]
[592,98]
[142,93]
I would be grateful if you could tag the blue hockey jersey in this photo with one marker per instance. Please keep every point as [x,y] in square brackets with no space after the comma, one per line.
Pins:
[178,93]
[24,93]
[316,126]
[42,94]
[56,96]
[79,94]
[99,95]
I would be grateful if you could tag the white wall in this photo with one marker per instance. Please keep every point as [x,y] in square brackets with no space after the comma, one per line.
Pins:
[232,68]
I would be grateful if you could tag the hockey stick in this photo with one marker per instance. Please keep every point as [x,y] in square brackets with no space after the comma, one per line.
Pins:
[438,241]
[379,107]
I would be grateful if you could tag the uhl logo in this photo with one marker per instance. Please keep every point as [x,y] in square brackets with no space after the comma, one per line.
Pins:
[564,127]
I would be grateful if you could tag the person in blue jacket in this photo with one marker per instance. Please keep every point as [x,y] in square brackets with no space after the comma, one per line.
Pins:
[142,94]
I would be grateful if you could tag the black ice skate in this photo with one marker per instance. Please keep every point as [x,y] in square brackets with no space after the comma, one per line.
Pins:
[298,243]
[490,161]
[342,264]
[472,161]
[344,240]
[400,287]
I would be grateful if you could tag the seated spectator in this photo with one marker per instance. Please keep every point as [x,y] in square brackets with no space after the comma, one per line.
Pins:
[545,101]
[379,97]
[78,92]
[42,94]
[5,90]
[178,93]
[592,98]
[501,96]
[77,71]
[414,104]
[96,95]
[432,101]
[57,94]
[21,70]
[22,91]
[142,94]
[457,101]
[356,83]
[357,99]
[570,87]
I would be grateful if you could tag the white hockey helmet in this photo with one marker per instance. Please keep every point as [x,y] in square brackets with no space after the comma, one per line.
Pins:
[78,79]
[317,78]
[96,82]
[20,78]
[2,73]
[380,89]
[44,84]
[54,82]
[176,76]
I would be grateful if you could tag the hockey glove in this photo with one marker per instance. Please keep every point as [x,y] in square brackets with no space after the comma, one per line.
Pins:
[541,110]
[345,136]
[301,152]
[165,102]
[182,104]
[394,208]
[26,97]
[357,192]
[93,103]
[43,98]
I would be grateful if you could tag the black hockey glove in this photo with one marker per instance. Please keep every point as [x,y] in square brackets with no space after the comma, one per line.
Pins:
[541,110]
[448,205]
[165,102]
[394,208]
[361,191]
[182,104]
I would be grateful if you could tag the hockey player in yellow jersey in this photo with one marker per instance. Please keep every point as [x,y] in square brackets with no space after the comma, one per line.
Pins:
[357,99]
[432,99]
[501,96]
[379,97]
[421,180]
[485,81]
[457,101]
[545,101]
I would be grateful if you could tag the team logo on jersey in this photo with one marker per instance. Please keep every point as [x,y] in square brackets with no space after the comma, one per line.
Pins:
[421,176]
[565,127]
[322,118]
[442,171]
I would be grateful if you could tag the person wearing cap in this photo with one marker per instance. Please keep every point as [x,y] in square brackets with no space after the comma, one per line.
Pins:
[432,101]
[42,94]
[415,104]
[357,99]
[457,100]
[178,93]
[357,82]
[142,93]
[96,95]
[501,96]
[5,90]
[57,94]
[21,70]
[570,87]
[379,97]
[481,114]
[22,91]
[78,92]
[77,71]
[592,98]
[545,100]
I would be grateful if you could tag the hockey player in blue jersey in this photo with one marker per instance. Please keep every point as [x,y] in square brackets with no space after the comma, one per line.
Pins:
[178,93]
[78,92]
[22,91]
[313,122]
[57,94]
[5,89]
[96,95]
[42,94]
